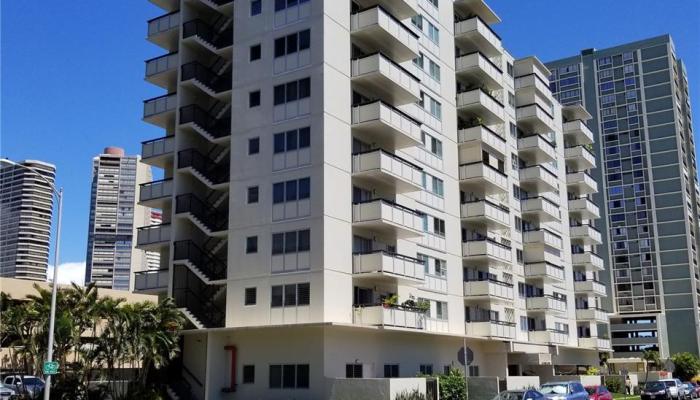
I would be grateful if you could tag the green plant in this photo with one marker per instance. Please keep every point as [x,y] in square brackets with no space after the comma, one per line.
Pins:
[392,300]
[423,305]
[410,395]
[452,385]
[652,358]
[593,371]
[687,365]
[615,384]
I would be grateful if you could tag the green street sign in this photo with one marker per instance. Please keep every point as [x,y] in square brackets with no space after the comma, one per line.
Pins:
[50,367]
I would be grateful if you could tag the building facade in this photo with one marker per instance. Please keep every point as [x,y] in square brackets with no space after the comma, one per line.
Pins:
[365,189]
[112,255]
[637,94]
[26,208]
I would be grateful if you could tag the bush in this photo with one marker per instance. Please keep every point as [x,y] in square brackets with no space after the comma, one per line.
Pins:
[593,371]
[453,386]
[410,395]
[687,365]
[615,384]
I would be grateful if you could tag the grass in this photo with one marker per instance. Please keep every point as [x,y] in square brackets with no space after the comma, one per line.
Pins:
[622,396]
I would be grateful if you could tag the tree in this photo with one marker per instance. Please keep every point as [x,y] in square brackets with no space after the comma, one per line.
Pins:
[687,365]
[651,357]
[452,385]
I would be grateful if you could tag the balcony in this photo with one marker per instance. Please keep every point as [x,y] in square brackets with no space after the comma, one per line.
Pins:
[488,290]
[542,236]
[486,213]
[160,110]
[590,261]
[583,208]
[207,267]
[381,167]
[211,83]
[168,5]
[549,336]
[486,251]
[579,158]
[537,178]
[581,183]
[535,149]
[490,329]
[577,133]
[473,34]
[483,137]
[395,317]
[477,103]
[476,67]
[532,88]
[163,31]
[401,9]
[534,118]
[591,314]
[544,271]
[382,121]
[153,237]
[484,177]
[162,71]
[206,217]
[585,234]
[156,194]
[216,40]
[151,281]
[378,74]
[216,130]
[158,152]
[546,304]
[385,216]
[215,176]
[377,30]
[596,343]
[540,209]
[590,287]
[389,267]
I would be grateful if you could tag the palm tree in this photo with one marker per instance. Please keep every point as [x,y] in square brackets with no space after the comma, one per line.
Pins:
[650,357]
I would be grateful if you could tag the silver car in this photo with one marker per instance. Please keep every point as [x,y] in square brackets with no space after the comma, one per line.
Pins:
[6,392]
[564,391]
[25,384]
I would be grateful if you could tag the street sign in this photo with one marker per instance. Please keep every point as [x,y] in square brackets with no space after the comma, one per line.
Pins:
[50,367]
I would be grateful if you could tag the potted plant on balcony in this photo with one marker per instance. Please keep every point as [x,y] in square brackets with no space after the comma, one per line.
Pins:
[423,305]
[390,301]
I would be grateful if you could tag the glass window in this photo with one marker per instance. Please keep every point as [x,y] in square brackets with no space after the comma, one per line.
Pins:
[255,7]
[304,188]
[276,296]
[279,141]
[278,193]
[251,244]
[255,52]
[253,146]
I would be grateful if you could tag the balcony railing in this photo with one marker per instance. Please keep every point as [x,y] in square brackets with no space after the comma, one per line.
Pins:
[202,30]
[586,234]
[579,158]
[161,64]
[389,167]
[536,149]
[473,34]
[490,329]
[539,178]
[591,314]
[382,118]
[211,267]
[213,219]
[584,207]
[381,75]
[163,23]
[390,316]
[155,190]
[581,183]
[549,336]
[157,147]
[590,286]
[153,234]
[215,173]
[385,214]
[487,249]
[546,303]
[477,66]
[488,288]
[543,209]
[198,72]
[486,212]
[151,280]
[577,132]
[545,271]
[493,180]
[381,31]
[217,128]
[386,263]
[479,103]
[160,104]
[542,236]
[483,136]
[589,260]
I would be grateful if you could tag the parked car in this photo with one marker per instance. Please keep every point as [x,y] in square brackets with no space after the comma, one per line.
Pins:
[675,388]
[25,384]
[598,393]
[655,390]
[564,391]
[692,391]
[529,394]
[6,392]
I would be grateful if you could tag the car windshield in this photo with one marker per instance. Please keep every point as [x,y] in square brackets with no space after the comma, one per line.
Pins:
[655,386]
[553,389]
[509,395]
[32,381]
[591,389]
[671,383]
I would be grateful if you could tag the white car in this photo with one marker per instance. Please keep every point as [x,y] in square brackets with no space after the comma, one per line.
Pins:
[6,392]
[675,388]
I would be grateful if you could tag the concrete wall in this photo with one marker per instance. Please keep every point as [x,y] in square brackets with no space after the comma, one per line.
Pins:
[372,389]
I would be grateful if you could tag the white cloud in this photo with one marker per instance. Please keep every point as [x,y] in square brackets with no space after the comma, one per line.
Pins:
[69,272]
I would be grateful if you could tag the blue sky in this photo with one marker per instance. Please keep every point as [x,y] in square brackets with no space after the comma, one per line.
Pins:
[72,76]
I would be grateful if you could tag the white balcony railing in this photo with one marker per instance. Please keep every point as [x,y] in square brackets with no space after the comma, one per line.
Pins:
[591,314]
[381,118]
[485,211]
[482,136]
[383,75]
[487,249]
[577,132]
[490,329]
[155,190]
[477,102]
[389,316]
[383,32]
[591,287]
[549,336]
[475,34]
[488,289]
[589,260]
[542,236]
[389,166]
[546,304]
[494,181]
[154,234]
[388,263]
[478,66]
[158,147]
[383,213]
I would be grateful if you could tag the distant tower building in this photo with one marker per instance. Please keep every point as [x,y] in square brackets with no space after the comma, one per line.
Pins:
[26,204]
[111,255]
[153,257]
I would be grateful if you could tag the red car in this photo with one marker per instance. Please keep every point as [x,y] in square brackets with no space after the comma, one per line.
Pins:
[598,393]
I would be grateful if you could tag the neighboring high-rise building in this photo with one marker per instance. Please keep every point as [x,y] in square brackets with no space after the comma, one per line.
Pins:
[153,257]
[362,189]
[637,94]
[112,256]
[26,207]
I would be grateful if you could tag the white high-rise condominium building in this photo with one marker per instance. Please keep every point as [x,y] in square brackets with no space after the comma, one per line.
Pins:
[112,256]
[26,207]
[360,189]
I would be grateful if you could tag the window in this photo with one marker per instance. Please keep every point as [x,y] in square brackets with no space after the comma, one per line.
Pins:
[255,7]
[391,370]
[254,99]
[253,146]
[473,370]
[433,33]
[606,73]
[296,189]
[628,69]
[353,370]
[432,106]
[513,130]
[291,242]
[441,310]
[251,244]
[432,144]
[255,52]
[509,69]
[296,294]
[604,61]
[289,376]
[511,99]
[249,374]
[439,226]
[292,140]
[250,298]
[292,91]
[426,369]
[253,195]
[283,4]
[417,21]
[293,43]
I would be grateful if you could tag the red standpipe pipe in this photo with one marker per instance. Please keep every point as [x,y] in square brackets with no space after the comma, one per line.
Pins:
[232,349]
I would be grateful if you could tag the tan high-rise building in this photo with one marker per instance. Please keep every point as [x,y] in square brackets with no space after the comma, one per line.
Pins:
[365,189]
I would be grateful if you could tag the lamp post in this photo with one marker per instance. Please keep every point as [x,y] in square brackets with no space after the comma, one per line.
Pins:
[52,319]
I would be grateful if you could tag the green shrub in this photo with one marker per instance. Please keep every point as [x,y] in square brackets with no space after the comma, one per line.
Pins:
[615,384]
[410,395]
[453,386]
